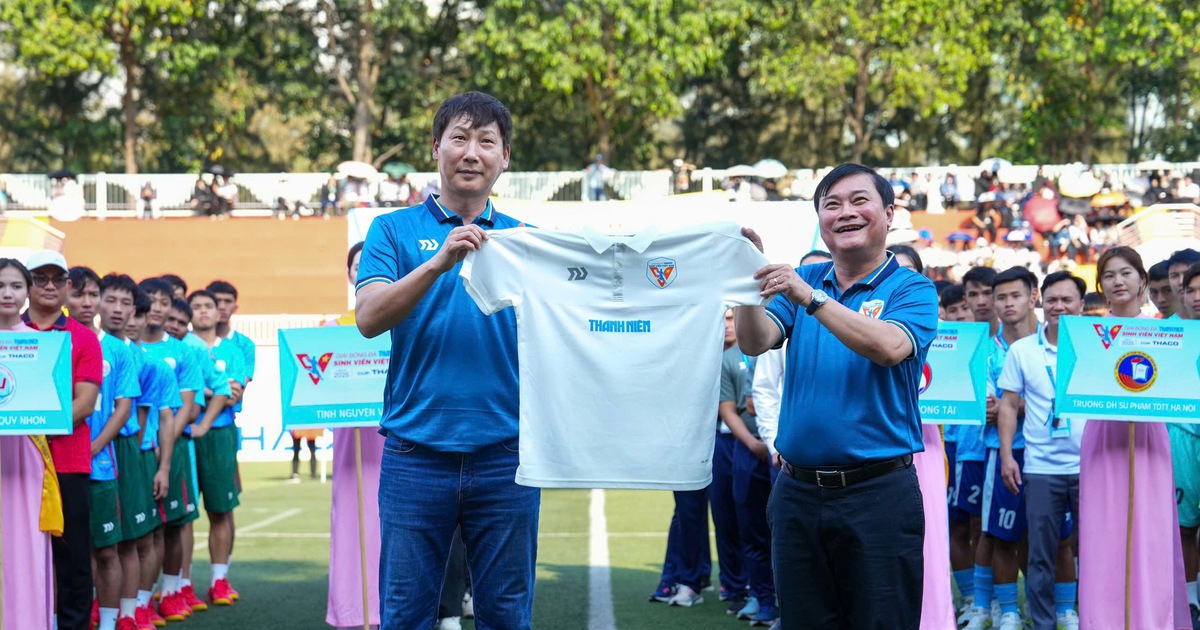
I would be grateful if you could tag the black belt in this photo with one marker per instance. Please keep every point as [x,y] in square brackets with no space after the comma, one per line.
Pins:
[832,478]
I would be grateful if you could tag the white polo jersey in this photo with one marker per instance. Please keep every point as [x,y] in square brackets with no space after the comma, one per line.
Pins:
[1029,370]
[619,344]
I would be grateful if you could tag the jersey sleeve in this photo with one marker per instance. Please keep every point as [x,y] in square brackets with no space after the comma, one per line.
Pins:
[491,275]
[736,261]
[729,381]
[170,387]
[783,313]
[147,379]
[87,359]
[249,357]
[914,309]
[1012,376]
[380,257]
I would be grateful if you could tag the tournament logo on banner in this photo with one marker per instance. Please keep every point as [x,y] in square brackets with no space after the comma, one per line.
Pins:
[1129,369]
[35,384]
[332,376]
[953,382]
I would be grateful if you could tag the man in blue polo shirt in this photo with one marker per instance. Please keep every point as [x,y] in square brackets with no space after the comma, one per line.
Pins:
[848,526]
[450,405]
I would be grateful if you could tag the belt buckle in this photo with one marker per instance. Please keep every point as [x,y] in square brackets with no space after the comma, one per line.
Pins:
[839,475]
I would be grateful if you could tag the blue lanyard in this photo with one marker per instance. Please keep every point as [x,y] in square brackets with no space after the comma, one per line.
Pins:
[1046,356]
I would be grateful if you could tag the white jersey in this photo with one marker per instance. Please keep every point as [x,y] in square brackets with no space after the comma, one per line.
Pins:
[1029,370]
[619,343]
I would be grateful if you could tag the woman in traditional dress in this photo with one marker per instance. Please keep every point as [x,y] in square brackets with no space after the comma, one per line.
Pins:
[1158,598]
[31,504]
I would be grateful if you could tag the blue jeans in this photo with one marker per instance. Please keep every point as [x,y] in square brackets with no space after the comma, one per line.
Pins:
[725,517]
[423,496]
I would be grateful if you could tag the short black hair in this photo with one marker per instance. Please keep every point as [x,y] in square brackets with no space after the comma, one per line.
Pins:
[1093,300]
[951,295]
[846,169]
[80,275]
[479,108]
[354,250]
[1065,276]
[175,281]
[940,285]
[1187,257]
[979,275]
[119,282]
[182,306]
[201,293]
[141,303]
[1159,271]
[1016,273]
[221,286]
[151,286]
[912,254]
[1190,274]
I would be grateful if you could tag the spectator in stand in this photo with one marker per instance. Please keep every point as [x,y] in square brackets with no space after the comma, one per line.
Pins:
[1188,190]
[329,197]
[898,185]
[287,200]
[594,177]
[149,201]
[227,193]
[389,192]
[985,220]
[920,191]
[949,190]
[4,198]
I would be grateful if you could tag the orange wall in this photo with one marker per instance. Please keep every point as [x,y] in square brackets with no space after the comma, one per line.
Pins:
[277,266]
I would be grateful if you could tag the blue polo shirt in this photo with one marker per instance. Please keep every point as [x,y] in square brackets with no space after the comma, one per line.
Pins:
[452,379]
[838,407]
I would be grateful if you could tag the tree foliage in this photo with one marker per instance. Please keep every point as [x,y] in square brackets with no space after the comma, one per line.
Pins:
[170,85]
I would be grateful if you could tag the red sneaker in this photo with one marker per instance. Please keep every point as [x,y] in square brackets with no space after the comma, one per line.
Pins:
[155,619]
[172,608]
[219,593]
[141,616]
[232,592]
[95,613]
[126,623]
[188,595]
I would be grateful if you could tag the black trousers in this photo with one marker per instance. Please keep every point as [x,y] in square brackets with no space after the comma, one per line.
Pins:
[73,553]
[849,558]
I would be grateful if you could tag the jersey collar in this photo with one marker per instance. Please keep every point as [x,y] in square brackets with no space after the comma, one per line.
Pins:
[59,324]
[601,242]
[442,215]
[880,274]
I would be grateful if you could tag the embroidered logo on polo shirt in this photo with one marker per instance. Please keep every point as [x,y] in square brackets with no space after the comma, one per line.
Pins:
[872,308]
[661,272]
[428,244]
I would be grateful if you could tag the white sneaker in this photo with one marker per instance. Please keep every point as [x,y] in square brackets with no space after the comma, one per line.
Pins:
[686,597]
[965,610]
[978,619]
[995,613]
[1068,620]
[450,623]
[1011,621]
[468,606]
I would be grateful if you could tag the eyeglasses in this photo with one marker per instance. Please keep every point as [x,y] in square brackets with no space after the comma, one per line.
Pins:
[41,280]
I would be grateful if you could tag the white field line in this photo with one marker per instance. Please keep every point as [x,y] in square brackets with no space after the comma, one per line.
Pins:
[242,531]
[600,603]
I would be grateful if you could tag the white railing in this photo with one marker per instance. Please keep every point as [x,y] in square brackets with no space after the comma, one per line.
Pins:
[1174,221]
[118,195]
[264,329]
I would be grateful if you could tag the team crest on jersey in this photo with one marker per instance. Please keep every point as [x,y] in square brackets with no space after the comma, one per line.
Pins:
[1108,335]
[1136,372]
[170,362]
[871,308]
[221,365]
[315,369]
[661,272]
[926,379]
[107,367]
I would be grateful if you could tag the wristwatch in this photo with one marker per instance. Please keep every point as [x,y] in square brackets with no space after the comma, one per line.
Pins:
[816,301]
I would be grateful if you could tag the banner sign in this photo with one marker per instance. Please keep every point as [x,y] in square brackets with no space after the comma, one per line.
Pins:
[1129,369]
[35,383]
[954,379]
[332,376]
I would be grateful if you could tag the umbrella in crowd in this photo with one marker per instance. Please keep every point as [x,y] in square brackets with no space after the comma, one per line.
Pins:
[1109,199]
[770,169]
[741,170]
[1079,185]
[62,173]
[1154,165]
[1017,174]
[1071,205]
[217,169]
[358,170]
[995,164]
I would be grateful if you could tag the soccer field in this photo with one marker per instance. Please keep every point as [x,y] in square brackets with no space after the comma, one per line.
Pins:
[281,559]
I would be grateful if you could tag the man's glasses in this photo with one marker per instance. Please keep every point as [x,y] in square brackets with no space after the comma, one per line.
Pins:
[40,280]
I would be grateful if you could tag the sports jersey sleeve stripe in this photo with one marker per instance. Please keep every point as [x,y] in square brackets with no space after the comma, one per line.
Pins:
[379,261]
[911,339]
[782,330]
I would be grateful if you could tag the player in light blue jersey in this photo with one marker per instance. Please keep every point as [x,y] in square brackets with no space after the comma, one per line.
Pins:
[215,438]
[113,549]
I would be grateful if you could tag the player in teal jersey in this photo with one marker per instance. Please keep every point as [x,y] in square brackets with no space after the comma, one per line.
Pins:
[1185,458]
[181,504]
[216,440]
[114,550]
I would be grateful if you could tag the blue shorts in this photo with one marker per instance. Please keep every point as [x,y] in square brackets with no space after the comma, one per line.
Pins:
[1003,511]
[966,490]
